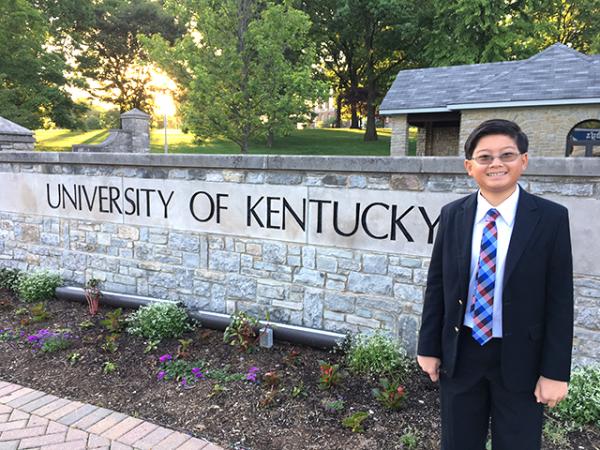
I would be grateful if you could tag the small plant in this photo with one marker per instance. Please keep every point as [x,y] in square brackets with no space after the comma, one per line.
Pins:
[292,359]
[8,335]
[73,358]
[299,390]
[21,312]
[151,345]
[159,321]
[179,370]
[377,355]
[329,375]
[110,345]
[333,406]
[223,375]
[9,279]
[37,286]
[241,331]
[217,390]
[93,295]
[50,341]
[252,374]
[86,325]
[355,421]
[582,405]
[109,367]
[269,398]
[114,321]
[183,350]
[555,434]
[39,312]
[409,439]
[271,379]
[390,394]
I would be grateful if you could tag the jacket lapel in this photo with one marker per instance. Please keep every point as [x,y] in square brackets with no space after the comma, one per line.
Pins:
[464,236]
[526,219]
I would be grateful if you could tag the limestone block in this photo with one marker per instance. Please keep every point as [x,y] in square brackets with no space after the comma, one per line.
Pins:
[371,284]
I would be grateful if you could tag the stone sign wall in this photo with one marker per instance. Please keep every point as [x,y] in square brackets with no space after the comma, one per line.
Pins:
[333,243]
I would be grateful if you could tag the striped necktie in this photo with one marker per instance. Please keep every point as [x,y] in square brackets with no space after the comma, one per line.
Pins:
[483,297]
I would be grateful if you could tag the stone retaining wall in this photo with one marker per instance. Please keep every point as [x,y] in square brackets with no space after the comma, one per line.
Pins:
[322,286]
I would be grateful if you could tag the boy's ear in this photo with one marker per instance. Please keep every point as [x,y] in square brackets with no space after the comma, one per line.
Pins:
[468,166]
[525,159]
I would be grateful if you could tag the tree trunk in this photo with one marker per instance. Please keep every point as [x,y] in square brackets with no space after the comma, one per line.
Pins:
[354,112]
[371,131]
[245,144]
[338,111]
[270,138]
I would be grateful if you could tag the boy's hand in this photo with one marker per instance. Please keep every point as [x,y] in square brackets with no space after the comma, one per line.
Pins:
[430,365]
[550,392]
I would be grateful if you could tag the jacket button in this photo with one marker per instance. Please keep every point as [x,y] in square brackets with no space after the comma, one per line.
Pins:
[460,302]
[456,329]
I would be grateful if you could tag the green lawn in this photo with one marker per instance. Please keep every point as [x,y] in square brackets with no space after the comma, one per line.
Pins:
[301,142]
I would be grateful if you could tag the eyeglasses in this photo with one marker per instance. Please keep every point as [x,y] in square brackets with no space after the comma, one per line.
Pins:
[507,157]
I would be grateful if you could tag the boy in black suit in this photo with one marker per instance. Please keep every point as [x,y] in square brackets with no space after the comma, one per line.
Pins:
[497,323]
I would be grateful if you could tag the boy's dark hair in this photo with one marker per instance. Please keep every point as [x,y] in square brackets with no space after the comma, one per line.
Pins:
[496,126]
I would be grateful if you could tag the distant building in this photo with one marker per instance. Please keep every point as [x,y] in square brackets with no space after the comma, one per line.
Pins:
[554,96]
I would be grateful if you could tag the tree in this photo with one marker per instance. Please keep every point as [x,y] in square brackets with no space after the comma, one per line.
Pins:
[391,35]
[244,66]
[32,81]
[573,23]
[114,58]
[479,31]
[338,45]
[363,43]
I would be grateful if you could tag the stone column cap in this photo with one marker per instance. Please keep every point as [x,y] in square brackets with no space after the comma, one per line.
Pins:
[8,127]
[135,114]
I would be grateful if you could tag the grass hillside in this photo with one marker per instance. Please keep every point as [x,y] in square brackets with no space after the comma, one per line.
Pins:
[327,141]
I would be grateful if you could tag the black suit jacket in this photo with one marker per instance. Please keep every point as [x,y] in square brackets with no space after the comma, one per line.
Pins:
[537,301]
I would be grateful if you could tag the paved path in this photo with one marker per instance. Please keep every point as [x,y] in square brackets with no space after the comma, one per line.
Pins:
[31,419]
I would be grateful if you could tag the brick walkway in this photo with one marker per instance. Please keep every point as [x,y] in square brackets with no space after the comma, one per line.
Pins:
[32,419]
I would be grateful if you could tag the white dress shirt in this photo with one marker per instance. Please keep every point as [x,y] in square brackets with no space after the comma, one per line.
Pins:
[504,225]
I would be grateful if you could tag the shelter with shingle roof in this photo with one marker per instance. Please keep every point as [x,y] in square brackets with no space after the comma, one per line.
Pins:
[554,96]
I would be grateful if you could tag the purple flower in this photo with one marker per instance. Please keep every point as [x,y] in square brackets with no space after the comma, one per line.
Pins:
[197,373]
[183,382]
[161,375]
[166,357]
[251,375]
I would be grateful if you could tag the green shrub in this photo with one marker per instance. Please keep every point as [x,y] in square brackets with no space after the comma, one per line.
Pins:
[159,321]
[582,405]
[37,286]
[9,278]
[377,355]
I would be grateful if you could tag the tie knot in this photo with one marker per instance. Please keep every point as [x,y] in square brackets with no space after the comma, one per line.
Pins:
[492,215]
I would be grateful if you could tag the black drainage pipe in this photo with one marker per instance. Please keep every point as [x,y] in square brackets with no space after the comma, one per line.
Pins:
[217,321]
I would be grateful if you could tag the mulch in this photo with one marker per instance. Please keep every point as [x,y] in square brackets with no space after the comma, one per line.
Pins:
[237,414]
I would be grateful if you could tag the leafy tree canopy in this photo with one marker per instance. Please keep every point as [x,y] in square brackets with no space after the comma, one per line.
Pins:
[32,81]
[245,67]
[113,56]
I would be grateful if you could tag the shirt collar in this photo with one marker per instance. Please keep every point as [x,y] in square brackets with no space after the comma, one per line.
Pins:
[507,209]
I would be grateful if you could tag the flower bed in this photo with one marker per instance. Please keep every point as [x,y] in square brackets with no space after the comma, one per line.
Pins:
[289,396]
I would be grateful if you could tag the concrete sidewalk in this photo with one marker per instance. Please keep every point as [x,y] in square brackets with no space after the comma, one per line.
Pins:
[31,419]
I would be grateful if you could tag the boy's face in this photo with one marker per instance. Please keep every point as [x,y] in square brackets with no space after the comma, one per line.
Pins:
[496,177]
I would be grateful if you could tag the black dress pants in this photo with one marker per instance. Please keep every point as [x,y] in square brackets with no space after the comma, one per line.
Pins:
[476,394]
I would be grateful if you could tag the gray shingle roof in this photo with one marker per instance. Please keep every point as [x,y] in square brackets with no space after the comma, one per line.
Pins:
[557,73]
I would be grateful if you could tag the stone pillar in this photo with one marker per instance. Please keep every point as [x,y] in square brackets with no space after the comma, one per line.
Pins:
[399,144]
[15,137]
[421,141]
[137,124]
